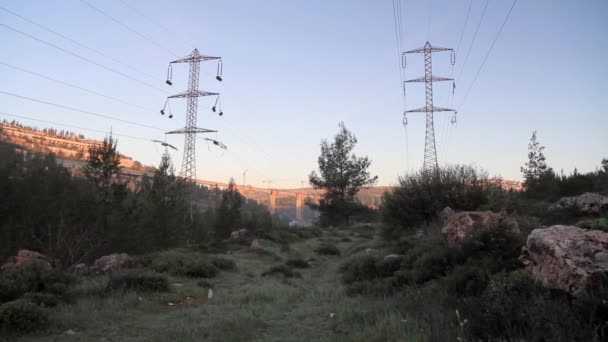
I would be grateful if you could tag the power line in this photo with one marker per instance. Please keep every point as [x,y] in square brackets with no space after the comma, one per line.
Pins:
[76,87]
[129,28]
[474,37]
[81,111]
[153,22]
[466,21]
[488,53]
[71,126]
[84,58]
[79,43]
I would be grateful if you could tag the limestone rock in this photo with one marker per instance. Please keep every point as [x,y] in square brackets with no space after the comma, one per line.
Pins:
[465,224]
[110,262]
[25,256]
[240,234]
[566,257]
[445,214]
[588,203]
[391,257]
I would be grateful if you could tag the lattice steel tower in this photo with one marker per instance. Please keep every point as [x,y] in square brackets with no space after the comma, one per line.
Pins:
[188,171]
[430,151]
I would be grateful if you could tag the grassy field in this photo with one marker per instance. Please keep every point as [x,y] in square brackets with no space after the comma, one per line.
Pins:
[245,306]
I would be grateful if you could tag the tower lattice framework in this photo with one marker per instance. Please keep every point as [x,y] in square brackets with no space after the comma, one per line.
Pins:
[430,150]
[188,171]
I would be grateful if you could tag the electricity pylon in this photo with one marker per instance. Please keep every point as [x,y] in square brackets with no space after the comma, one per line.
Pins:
[188,171]
[430,151]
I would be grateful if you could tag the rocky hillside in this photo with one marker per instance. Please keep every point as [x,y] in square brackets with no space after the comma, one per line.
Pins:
[65,144]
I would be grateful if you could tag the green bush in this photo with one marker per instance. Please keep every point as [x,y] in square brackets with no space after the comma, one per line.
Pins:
[513,307]
[138,281]
[359,268]
[421,196]
[492,250]
[594,224]
[33,277]
[327,249]
[297,263]
[22,316]
[42,299]
[466,281]
[285,270]
[307,232]
[189,264]
[224,264]
[378,287]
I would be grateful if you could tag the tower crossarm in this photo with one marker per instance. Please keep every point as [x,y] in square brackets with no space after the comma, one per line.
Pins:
[191,130]
[188,93]
[425,109]
[195,57]
[429,48]
[433,79]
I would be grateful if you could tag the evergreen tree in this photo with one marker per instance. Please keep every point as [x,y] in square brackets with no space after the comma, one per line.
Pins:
[228,213]
[539,180]
[103,167]
[342,174]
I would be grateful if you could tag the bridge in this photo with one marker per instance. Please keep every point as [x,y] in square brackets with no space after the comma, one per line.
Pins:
[289,197]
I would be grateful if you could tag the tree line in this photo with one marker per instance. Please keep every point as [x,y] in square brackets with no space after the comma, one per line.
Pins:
[77,218]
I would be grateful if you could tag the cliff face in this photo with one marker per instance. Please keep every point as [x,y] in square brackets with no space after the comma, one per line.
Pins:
[65,144]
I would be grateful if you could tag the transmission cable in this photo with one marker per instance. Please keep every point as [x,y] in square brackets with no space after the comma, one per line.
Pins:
[153,22]
[487,54]
[84,58]
[474,37]
[129,28]
[79,43]
[81,111]
[78,87]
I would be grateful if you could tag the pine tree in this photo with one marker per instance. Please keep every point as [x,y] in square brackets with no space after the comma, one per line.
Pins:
[228,213]
[342,174]
[103,166]
[536,167]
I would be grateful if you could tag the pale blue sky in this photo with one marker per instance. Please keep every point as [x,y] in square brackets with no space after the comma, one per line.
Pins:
[294,69]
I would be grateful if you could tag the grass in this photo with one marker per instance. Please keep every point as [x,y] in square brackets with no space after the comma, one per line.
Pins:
[245,305]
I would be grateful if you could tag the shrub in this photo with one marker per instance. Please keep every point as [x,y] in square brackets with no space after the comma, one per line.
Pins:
[421,196]
[138,281]
[379,287]
[204,283]
[297,263]
[33,277]
[513,307]
[22,316]
[466,281]
[42,299]
[491,250]
[184,264]
[285,270]
[224,264]
[594,224]
[307,232]
[327,249]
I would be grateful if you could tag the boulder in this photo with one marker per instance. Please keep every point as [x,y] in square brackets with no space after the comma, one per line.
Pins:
[255,244]
[588,203]
[393,257]
[240,234]
[566,257]
[465,224]
[445,214]
[81,268]
[25,256]
[110,262]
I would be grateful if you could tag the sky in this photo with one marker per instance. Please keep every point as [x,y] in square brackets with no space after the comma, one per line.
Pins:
[294,69]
